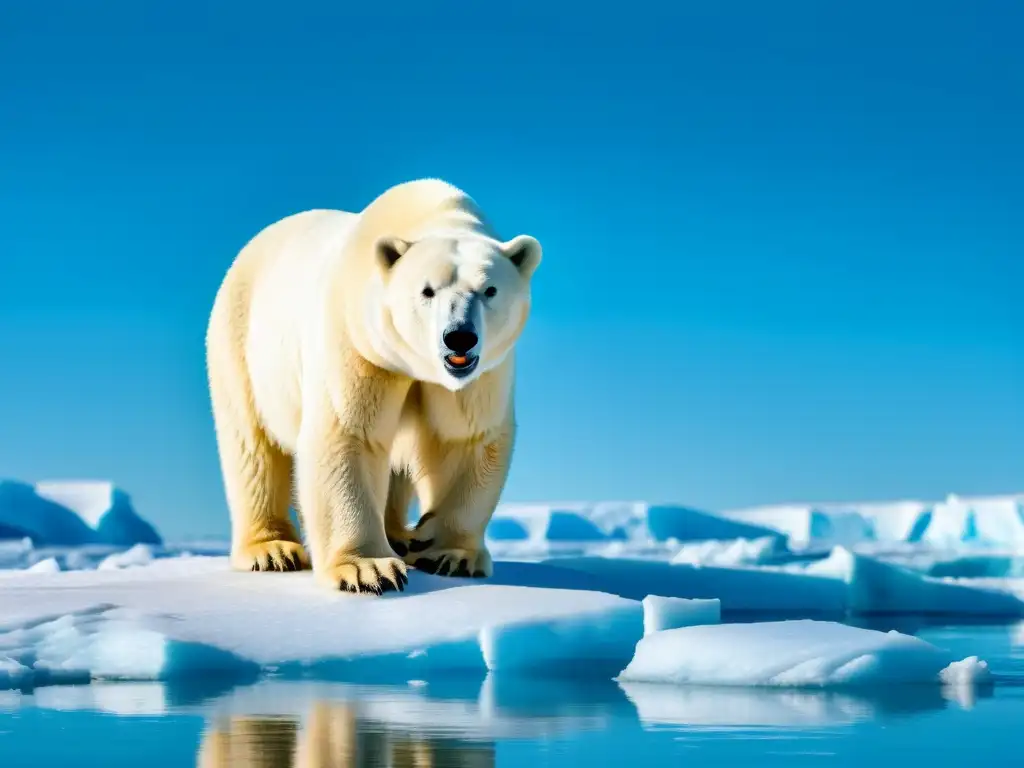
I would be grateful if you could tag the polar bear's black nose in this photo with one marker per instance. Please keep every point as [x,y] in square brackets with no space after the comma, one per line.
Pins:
[460,342]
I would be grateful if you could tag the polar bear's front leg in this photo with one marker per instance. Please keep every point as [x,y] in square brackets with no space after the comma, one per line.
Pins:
[462,485]
[342,481]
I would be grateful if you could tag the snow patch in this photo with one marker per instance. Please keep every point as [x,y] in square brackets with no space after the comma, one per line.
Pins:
[140,554]
[734,552]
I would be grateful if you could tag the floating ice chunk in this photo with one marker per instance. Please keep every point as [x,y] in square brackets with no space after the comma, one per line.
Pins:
[969,671]
[175,619]
[785,654]
[962,680]
[878,587]
[662,613]
[587,640]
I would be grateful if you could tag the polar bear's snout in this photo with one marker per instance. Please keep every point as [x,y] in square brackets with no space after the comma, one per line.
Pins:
[460,343]
[461,340]
[460,337]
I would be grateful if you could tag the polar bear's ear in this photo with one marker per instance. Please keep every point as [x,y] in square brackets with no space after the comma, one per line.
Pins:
[389,250]
[524,252]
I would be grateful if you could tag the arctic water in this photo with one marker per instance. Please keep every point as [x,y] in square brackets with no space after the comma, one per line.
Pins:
[474,722]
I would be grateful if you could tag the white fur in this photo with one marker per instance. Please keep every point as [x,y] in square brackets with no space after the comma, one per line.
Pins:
[326,358]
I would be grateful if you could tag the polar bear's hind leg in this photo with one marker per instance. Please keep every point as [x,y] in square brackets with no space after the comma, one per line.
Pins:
[257,474]
[396,512]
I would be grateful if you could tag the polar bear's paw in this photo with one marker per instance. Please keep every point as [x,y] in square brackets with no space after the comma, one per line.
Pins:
[372,575]
[277,555]
[464,563]
[434,549]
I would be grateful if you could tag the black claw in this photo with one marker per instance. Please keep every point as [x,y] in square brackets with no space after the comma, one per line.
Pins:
[418,546]
[426,565]
[398,547]
[462,569]
[350,587]
[424,520]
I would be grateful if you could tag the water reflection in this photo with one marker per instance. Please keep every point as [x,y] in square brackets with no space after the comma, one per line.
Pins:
[332,735]
[739,708]
[456,722]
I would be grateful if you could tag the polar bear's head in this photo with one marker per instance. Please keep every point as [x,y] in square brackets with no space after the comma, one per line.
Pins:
[454,305]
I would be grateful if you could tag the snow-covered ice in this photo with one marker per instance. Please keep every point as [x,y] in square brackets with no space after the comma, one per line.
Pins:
[89,592]
[187,617]
[801,653]
[182,617]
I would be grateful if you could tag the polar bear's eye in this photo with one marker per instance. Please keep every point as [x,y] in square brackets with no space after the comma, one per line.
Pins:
[428,292]
[490,292]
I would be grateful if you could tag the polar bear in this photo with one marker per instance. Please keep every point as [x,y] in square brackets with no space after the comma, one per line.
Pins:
[370,355]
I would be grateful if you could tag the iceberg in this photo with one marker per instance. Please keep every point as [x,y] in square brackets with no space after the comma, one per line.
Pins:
[71,514]
[981,522]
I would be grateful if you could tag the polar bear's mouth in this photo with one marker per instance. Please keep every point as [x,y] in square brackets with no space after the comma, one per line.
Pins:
[460,365]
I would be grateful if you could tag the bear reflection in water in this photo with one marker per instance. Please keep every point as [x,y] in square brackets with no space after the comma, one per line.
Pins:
[332,736]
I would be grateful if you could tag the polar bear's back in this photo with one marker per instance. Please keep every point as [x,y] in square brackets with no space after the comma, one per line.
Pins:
[292,248]
[257,324]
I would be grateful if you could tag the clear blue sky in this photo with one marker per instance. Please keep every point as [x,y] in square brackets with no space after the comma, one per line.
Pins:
[784,241]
